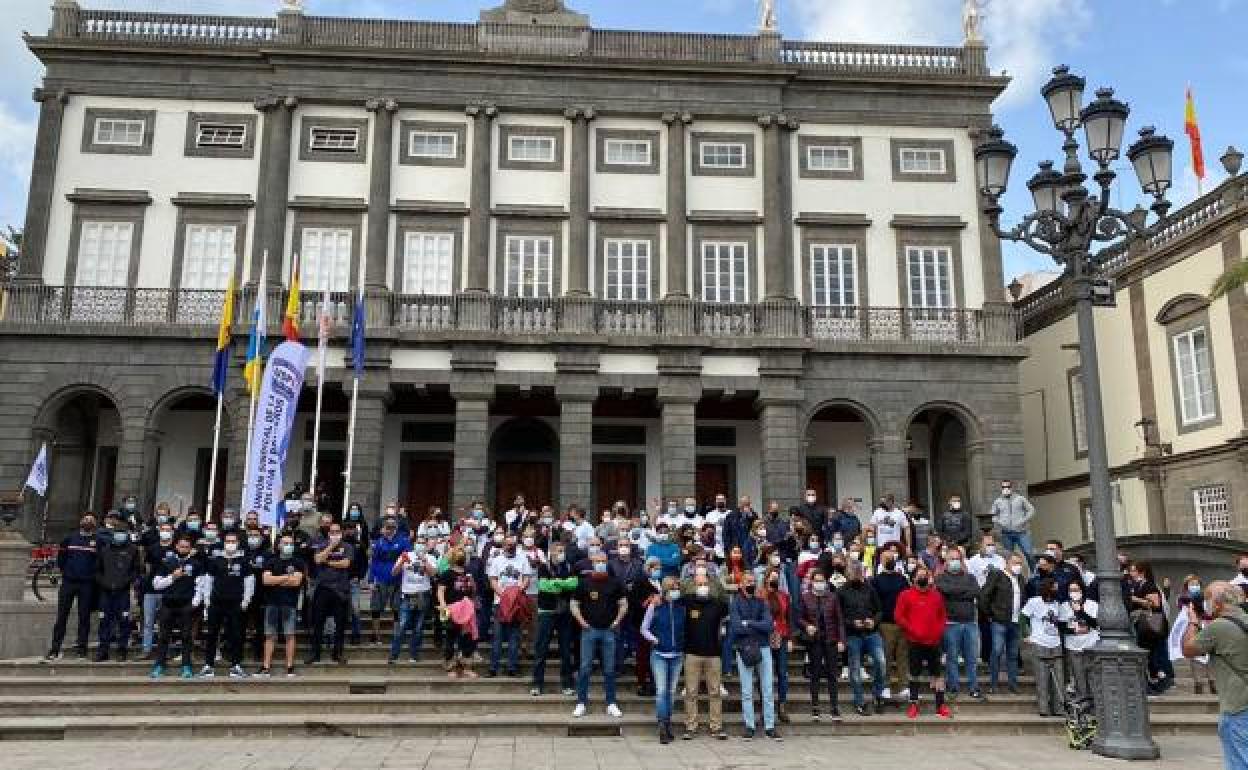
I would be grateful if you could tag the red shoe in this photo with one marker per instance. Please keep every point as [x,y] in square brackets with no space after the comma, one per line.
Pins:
[943,712]
[913,711]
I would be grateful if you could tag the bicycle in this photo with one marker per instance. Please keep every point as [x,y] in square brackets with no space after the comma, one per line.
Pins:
[45,573]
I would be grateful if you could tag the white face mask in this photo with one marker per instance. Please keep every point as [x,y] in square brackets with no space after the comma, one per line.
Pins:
[230,549]
[1016,569]
[528,542]
[957,506]
[702,591]
[673,595]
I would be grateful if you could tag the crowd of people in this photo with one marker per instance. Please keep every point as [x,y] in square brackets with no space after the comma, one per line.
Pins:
[727,594]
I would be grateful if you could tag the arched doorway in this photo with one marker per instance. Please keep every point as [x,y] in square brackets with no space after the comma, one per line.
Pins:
[939,463]
[524,453]
[83,431]
[838,454]
[182,429]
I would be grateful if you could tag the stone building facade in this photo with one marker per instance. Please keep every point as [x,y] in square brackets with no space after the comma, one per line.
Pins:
[598,264]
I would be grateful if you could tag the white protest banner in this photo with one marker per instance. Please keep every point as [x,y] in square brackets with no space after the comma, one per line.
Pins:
[1181,622]
[275,416]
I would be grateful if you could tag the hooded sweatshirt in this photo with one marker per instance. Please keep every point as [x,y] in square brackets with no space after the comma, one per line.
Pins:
[921,614]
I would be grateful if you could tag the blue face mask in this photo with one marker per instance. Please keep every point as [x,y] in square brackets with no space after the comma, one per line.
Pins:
[600,566]
[1194,592]
[192,526]
[121,538]
[656,574]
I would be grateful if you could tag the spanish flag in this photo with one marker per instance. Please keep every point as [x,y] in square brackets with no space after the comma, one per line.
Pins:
[221,364]
[1192,128]
[254,369]
[290,321]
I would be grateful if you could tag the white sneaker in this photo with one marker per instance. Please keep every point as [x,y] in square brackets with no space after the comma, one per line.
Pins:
[579,711]
[238,673]
[207,672]
[904,694]
[682,692]
[614,711]
[887,694]
[723,691]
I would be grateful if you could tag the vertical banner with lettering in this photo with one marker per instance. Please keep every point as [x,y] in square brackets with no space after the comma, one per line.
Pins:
[275,417]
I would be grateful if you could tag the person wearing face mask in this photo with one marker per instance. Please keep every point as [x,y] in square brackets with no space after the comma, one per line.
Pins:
[258,553]
[117,567]
[1191,593]
[153,555]
[1044,612]
[772,591]
[331,563]
[192,526]
[555,585]
[415,569]
[178,577]
[227,590]
[666,551]
[283,578]
[383,577]
[1002,599]
[823,634]
[1240,579]
[808,559]
[862,612]
[750,625]
[209,546]
[1079,615]
[715,519]
[956,524]
[1146,602]
[921,614]
[888,585]
[1224,638]
[1011,515]
[77,560]
[985,559]
[705,613]
[890,524]
[663,626]
[639,594]
[738,525]
[509,573]
[961,594]
[599,606]
[814,512]
[457,598]
[844,522]
[229,521]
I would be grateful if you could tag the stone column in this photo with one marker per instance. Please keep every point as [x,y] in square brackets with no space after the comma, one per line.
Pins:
[369,450]
[577,283]
[783,470]
[132,455]
[150,472]
[472,441]
[576,456]
[274,187]
[678,446]
[42,179]
[377,242]
[677,205]
[478,255]
[889,468]
[777,192]
[1152,474]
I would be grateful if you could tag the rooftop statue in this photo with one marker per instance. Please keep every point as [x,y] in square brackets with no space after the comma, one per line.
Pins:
[973,20]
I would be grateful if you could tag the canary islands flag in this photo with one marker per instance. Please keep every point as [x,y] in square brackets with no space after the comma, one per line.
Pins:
[255,345]
[221,364]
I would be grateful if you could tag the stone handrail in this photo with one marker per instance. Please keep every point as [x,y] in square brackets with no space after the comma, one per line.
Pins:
[852,57]
[175,28]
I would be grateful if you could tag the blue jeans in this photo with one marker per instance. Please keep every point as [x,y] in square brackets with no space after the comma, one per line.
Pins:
[509,632]
[151,608]
[764,671]
[601,641]
[412,609]
[1233,732]
[355,613]
[873,647]
[1004,644]
[666,673]
[780,667]
[961,638]
[549,624]
[726,654]
[1011,538]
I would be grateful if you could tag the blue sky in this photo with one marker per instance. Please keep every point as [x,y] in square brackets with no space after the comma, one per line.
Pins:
[1148,50]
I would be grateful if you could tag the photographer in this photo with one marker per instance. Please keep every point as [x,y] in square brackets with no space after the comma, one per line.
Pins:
[1225,640]
[1079,615]
[1043,612]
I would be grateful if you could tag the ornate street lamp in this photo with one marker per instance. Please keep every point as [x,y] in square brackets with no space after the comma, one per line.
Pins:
[1066,224]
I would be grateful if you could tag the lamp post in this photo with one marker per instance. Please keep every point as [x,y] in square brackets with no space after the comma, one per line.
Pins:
[1067,222]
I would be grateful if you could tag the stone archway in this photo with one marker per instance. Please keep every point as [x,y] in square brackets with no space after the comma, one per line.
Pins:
[839,452]
[177,452]
[944,458]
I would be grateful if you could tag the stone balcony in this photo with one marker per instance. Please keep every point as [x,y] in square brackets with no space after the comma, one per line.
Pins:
[195,313]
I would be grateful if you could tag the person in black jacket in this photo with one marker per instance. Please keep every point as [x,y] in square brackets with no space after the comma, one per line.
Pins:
[177,577]
[76,559]
[117,567]
[815,513]
[706,611]
[228,589]
[956,525]
[258,554]
[861,612]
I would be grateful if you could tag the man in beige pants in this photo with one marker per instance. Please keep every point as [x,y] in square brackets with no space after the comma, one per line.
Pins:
[706,611]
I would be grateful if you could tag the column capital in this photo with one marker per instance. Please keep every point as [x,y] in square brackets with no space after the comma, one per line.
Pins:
[378,104]
[580,113]
[271,102]
[46,95]
[778,120]
[887,444]
[486,111]
[673,117]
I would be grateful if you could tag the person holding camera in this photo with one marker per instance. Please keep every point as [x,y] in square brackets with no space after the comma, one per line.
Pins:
[1225,640]
[1082,634]
[1044,614]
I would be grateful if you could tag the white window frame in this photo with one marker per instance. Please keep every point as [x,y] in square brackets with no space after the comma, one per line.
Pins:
[1212,505]
[629,260]
[736,256]
[97,268]
[532,142]
[333,139]
[645,156]
[712,153]
[844,258]
[126,124]
[530,279]
[414,135]
[427,272]
[919,160]
[1188,374]
[1078,414]
[942,261]
[208,133]
[208,256]
[312,267]
[830,150]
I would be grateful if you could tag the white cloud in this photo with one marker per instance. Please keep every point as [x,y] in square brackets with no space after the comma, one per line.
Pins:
[1025,37]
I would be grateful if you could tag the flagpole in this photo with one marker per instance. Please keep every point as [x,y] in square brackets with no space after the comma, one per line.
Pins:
[322,343]
[261,297]
[216,445]
[355,397]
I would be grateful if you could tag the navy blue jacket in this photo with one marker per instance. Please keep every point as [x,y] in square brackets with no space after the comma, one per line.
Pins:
[667,624]
[750,615]
[78,557]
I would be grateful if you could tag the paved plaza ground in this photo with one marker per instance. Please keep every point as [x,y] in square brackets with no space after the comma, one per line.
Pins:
[807,753]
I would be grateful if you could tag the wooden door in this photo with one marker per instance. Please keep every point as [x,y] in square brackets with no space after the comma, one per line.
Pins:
[615,480]
[427,482]
[534,480]
[330,464]
[821,477]
[203,463]
[714,477]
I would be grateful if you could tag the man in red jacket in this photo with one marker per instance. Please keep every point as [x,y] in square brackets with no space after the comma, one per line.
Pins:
[921,615]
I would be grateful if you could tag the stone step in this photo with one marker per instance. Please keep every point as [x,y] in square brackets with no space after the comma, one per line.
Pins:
[412,726]
[261,699]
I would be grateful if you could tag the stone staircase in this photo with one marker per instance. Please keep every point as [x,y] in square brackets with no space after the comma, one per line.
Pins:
[71,699]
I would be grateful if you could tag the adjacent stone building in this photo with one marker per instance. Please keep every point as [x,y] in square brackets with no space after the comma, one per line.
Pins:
[1174,372]
[599,264]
